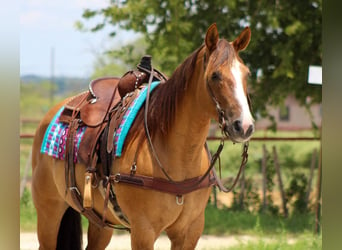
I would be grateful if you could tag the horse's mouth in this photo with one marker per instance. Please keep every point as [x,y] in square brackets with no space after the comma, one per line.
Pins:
[235,132]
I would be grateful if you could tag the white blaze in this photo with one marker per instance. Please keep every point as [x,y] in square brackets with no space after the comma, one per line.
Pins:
[246,116]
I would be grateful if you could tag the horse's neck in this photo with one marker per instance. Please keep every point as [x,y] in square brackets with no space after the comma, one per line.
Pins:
[182,148]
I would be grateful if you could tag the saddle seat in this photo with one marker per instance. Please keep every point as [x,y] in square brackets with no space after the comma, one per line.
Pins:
[92,106]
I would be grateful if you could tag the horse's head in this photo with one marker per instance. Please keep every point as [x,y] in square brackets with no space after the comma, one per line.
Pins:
[226,79]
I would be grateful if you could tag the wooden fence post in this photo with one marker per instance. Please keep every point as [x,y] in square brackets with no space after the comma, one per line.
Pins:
[264,177]
[281,187]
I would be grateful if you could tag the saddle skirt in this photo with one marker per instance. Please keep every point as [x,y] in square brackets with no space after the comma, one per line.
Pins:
[54,142]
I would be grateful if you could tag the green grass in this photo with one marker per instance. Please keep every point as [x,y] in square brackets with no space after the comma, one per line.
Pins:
[302,242]
[267,232]
[28,215]
[226,222]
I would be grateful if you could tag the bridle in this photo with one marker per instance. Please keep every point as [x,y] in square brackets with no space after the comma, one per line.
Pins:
[224,132]
[219,110]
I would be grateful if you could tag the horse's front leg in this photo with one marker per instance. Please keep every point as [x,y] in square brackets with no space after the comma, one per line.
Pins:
[184,236]
[98,238]
[142,238]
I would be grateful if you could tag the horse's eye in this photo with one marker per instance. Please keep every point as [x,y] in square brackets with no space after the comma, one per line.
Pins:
[216,76]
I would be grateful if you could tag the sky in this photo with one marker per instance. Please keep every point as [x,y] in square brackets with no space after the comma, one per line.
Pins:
[48,37]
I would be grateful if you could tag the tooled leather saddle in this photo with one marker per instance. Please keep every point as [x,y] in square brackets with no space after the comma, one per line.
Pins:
[101,109]
[95,107]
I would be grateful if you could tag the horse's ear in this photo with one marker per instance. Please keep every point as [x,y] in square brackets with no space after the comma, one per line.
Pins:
[212,37]
[242,41]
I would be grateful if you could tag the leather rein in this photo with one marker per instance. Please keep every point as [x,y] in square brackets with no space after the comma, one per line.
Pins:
[210,177]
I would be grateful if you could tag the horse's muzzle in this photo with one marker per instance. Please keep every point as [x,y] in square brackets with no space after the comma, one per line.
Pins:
[239,132]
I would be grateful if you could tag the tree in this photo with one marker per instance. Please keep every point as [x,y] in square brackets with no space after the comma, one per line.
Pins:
[286,38]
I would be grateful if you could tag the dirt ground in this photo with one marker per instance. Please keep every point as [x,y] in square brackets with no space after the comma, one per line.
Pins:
[28,241]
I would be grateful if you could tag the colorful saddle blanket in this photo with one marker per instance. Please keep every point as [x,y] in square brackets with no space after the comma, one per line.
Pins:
[54,142]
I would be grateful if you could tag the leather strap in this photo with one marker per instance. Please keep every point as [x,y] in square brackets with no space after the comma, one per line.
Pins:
[163,185]
[147,131]
[242,167]
[94,217]
[70,179]
[69,157]
[116,116]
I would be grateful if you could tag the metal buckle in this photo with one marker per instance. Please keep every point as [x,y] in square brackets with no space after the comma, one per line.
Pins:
[179,200]
[75,188]
[133,168]
[117,178]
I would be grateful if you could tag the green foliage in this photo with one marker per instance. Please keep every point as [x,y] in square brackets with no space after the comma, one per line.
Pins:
[251,199]
[294,160]
[297,190]
[287,155]
[286,38]
[270,173]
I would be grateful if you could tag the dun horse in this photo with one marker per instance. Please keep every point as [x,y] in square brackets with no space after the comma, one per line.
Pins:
[160,182]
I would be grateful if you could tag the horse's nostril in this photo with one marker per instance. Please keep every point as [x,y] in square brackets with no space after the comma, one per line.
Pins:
[237,126]
[250,130]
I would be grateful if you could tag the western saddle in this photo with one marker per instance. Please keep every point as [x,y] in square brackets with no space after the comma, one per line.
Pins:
[101,109]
